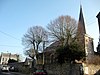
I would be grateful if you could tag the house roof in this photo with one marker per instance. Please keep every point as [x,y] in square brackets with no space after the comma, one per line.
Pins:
[53,46]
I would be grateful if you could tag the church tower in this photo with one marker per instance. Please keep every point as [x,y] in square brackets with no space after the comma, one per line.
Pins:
[84,39]
[81,29]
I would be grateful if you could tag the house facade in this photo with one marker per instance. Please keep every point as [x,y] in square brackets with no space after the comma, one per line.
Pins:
[6,56]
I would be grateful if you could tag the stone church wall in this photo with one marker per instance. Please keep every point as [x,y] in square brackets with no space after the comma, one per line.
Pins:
[74,69]
[94,69]
[65,69]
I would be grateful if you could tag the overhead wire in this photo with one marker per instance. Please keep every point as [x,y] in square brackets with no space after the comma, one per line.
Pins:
[88,24]
[8,35]
[10,46]
[11,37]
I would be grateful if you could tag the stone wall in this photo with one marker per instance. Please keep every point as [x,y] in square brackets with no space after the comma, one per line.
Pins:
[65,69]
[72,69]
[94,69]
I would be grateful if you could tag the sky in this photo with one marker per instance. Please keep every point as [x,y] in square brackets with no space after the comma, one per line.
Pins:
[16,16]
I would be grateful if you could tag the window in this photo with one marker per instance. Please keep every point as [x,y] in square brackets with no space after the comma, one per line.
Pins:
[2,59]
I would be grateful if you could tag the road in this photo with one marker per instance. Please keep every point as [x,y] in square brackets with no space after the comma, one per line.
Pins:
[11,73]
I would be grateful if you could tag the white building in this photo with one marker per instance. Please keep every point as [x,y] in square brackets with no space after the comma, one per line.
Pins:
[6,56]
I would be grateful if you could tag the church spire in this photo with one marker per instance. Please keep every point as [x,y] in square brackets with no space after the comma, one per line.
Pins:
[81,24]
[81,29]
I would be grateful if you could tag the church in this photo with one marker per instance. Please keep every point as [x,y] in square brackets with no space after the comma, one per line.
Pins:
[83,38]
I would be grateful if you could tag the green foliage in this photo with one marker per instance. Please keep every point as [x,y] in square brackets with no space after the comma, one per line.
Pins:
[61,55]
[70,53]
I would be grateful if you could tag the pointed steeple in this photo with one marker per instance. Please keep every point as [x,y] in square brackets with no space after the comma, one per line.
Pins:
[81,24]
[81,29]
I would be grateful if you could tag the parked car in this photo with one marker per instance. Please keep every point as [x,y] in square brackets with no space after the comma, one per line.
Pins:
[40,72]
[13,69]
[5,68]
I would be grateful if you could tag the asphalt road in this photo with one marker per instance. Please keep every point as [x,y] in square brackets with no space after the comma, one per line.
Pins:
[11,73]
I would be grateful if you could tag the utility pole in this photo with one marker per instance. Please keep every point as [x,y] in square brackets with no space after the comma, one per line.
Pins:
[43,50]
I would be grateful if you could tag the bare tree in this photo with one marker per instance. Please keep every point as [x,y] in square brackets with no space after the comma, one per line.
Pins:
[33,39]
[64,29]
